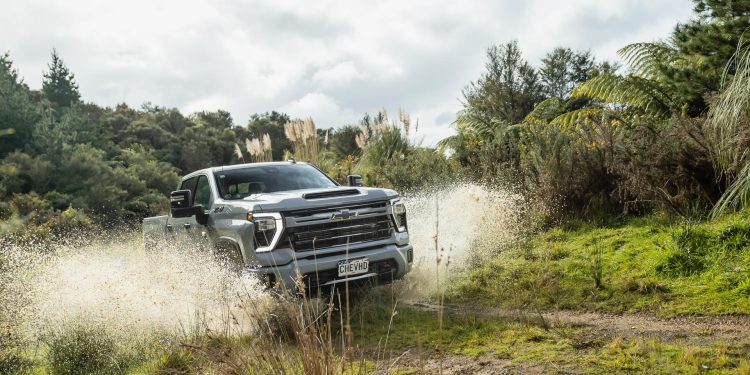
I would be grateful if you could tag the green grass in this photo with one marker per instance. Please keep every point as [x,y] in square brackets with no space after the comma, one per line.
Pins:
[647,264]
[644,265]
[529,345]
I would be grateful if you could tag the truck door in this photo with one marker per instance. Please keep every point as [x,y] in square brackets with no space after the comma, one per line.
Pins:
[177,227]
[198,233]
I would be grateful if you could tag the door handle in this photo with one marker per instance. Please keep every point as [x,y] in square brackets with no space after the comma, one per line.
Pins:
[186,225]
[169,227]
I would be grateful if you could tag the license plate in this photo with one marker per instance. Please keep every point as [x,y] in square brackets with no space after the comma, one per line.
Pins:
[353,266]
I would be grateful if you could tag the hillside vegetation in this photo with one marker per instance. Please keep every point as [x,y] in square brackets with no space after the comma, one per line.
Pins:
[645,265]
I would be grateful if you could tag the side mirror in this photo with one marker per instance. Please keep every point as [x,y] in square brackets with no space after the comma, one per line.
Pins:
[180,202]
[181,206]
[180,199]
[354,180]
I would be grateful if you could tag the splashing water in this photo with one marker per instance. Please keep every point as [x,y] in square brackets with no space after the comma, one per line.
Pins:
[131,291]
[471,223]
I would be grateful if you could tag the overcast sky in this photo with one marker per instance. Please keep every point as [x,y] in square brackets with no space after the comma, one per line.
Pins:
[332,60]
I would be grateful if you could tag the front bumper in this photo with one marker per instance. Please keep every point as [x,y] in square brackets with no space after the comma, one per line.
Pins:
[387,263]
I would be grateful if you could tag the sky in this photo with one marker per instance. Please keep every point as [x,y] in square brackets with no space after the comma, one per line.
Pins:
[331,60]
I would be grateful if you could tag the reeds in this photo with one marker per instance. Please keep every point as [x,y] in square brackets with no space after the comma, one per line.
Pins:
[372,131]
[728,121]
[304,138]
[258,148]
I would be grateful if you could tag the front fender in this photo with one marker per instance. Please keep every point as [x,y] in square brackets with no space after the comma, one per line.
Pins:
[240,234]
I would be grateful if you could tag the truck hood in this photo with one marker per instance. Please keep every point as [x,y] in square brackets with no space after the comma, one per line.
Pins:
[317,198]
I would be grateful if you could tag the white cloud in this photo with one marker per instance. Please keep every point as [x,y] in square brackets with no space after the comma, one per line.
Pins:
[329,59]
[337,75]
[322,108]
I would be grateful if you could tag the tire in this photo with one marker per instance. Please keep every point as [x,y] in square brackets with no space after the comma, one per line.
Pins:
[229,256]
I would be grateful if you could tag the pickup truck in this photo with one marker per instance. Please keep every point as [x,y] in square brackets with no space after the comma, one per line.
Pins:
[283,220]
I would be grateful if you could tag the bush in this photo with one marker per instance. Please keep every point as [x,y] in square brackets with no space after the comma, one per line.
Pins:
[82,349]
[178,361]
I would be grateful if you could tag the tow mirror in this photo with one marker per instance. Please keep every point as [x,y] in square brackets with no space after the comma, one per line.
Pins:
[180,202]
[180,199]
[354,180]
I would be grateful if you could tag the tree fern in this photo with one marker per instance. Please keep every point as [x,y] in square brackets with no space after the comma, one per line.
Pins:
[547,110]
[646,59]
[470,123]
[629,91]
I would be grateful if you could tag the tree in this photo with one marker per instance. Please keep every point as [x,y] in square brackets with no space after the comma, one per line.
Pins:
[562,69]
[18,113]
[220,119]
[59,86]
[272,124]
[729,120]
[505,93]
[87,177]
[707,42]
[343,141]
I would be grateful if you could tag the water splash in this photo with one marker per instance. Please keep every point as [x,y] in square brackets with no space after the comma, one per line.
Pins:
[119,285]
[471,222]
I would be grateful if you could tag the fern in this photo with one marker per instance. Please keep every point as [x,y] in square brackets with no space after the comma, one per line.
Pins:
[578,117]
[646,59]
[629,91]
[547,110]
[471,124]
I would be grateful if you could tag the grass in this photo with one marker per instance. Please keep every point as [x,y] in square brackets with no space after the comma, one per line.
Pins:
[647,264]
[525,345]
[643,265]
[522,345]
[533,346]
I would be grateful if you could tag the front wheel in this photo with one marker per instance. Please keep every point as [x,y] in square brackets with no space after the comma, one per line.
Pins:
[229,256]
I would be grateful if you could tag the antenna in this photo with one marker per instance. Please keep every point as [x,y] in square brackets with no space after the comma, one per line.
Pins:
[291,160]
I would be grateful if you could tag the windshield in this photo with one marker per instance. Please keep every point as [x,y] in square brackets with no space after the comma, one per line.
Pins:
[240,183]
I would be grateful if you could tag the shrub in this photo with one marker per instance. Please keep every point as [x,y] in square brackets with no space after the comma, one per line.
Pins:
[82,349]
[178,361]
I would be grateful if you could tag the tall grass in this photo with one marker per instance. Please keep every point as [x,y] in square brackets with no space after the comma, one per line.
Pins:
[729,123]
[258,148]
[304,138]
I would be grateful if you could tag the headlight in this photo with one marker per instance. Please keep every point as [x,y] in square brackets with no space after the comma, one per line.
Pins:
[399,215]
[268,229]
[265,225]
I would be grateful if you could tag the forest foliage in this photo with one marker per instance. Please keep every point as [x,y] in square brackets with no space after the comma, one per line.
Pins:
[665,129]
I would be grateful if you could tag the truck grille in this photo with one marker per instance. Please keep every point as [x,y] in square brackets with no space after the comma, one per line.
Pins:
[363,229]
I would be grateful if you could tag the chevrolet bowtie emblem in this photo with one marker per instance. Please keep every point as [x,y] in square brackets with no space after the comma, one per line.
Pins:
[343,215]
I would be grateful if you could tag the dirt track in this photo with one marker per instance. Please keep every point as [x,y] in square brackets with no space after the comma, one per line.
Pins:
[693,330]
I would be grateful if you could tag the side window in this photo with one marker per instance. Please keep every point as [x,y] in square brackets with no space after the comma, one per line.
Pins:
[189,184]
[202,192]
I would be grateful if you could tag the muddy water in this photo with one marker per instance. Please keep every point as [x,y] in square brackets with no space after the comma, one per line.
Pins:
[117,284]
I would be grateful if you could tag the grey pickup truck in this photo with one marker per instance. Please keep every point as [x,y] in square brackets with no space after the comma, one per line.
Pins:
[283,219]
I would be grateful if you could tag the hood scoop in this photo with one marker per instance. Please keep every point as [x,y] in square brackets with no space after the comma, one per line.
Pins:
[330,193]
